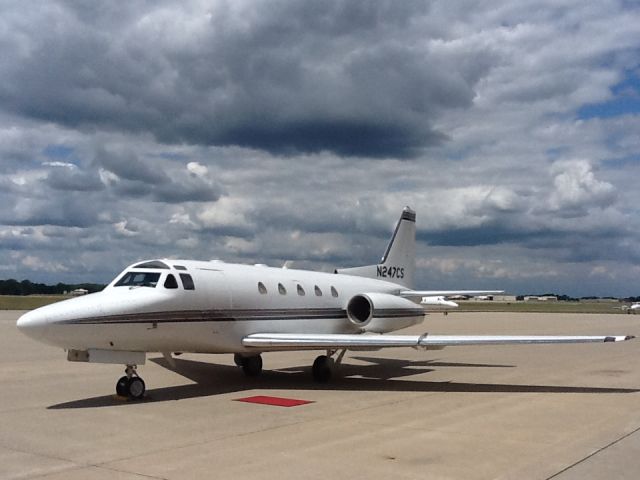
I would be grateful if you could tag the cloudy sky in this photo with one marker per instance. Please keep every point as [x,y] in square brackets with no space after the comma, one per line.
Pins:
[297,131]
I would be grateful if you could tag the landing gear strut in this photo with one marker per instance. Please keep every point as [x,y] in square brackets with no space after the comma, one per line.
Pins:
[131,385]
[251,366]
[324,365]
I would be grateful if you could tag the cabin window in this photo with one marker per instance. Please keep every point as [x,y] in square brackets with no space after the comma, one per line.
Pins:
[318,291]
[187,281]
[138,279]
[301,290]
[154,264]
[261,288]
[179,267]
[281,289]
[170,282]
[334,292]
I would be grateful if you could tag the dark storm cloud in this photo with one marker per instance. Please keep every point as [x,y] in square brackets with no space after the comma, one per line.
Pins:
[176,191]
[187,190]
[164,181]
[501,231]
[70,178]
[352,77]
[127,166]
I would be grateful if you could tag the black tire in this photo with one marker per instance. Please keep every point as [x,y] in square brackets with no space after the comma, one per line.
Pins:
[136,388]
[252,366]
[322,369]
[238,359]
[122,387]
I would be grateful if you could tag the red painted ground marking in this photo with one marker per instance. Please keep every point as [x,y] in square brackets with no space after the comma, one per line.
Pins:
[276,401]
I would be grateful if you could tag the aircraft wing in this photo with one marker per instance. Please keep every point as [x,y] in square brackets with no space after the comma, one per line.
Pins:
[320,341]
[446,293]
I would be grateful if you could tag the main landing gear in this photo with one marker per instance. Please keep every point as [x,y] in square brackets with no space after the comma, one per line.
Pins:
[131,385]
[324,365]
[251,365]
[322,368]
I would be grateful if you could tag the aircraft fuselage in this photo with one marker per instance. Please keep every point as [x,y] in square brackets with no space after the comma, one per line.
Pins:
[227,303]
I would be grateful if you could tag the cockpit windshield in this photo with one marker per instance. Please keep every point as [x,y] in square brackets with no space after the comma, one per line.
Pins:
[138,279]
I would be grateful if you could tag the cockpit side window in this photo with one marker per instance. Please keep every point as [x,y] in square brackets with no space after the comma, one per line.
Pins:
[170,282]
[139,279]
[187,281]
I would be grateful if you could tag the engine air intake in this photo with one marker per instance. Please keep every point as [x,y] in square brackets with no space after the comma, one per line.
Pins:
[359,310]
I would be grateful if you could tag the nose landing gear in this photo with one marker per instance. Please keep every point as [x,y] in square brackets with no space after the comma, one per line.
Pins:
[131,385]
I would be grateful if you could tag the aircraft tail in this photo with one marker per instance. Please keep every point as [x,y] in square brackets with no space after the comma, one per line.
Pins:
[399,260]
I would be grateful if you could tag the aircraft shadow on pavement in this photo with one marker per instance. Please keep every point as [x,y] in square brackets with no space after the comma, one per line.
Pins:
[380,374]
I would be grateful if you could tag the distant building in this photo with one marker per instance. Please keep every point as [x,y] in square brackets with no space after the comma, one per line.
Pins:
[483,298]
[79,291]
[543,298]
[504,298]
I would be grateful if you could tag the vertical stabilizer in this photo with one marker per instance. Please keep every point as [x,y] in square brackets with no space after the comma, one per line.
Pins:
[399,260]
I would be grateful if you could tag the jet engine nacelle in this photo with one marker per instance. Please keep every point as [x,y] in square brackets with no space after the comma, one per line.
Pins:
[382,312]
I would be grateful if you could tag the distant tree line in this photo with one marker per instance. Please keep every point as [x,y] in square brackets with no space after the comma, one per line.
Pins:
[567,298]
[25,287]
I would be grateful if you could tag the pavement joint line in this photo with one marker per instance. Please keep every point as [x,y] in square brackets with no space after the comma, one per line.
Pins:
[75,465]
[52,457]
[112,469]
[195,444]
[80,467]
[592,454]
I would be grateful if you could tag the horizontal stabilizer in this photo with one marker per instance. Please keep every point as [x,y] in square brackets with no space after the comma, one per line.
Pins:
[312,341]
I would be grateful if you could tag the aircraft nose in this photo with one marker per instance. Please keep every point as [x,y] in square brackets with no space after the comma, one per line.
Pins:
[33,323]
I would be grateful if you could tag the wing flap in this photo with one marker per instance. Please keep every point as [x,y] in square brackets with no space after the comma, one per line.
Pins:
[313,341]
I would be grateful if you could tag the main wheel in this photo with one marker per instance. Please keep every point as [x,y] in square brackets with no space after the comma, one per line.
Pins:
[136,388]
[322,369]
[122,387]
[238,359]
[252,366]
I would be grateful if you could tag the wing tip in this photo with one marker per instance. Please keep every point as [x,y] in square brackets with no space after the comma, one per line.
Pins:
[619,338]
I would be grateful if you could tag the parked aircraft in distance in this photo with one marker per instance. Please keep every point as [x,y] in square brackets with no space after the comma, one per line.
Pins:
[215,307]
[438,303]
[633,308]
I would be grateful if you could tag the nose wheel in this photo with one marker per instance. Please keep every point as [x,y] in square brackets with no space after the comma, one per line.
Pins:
[130,385]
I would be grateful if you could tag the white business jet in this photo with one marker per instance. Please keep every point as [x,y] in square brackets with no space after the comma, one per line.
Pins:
[215,307]
[633,308]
